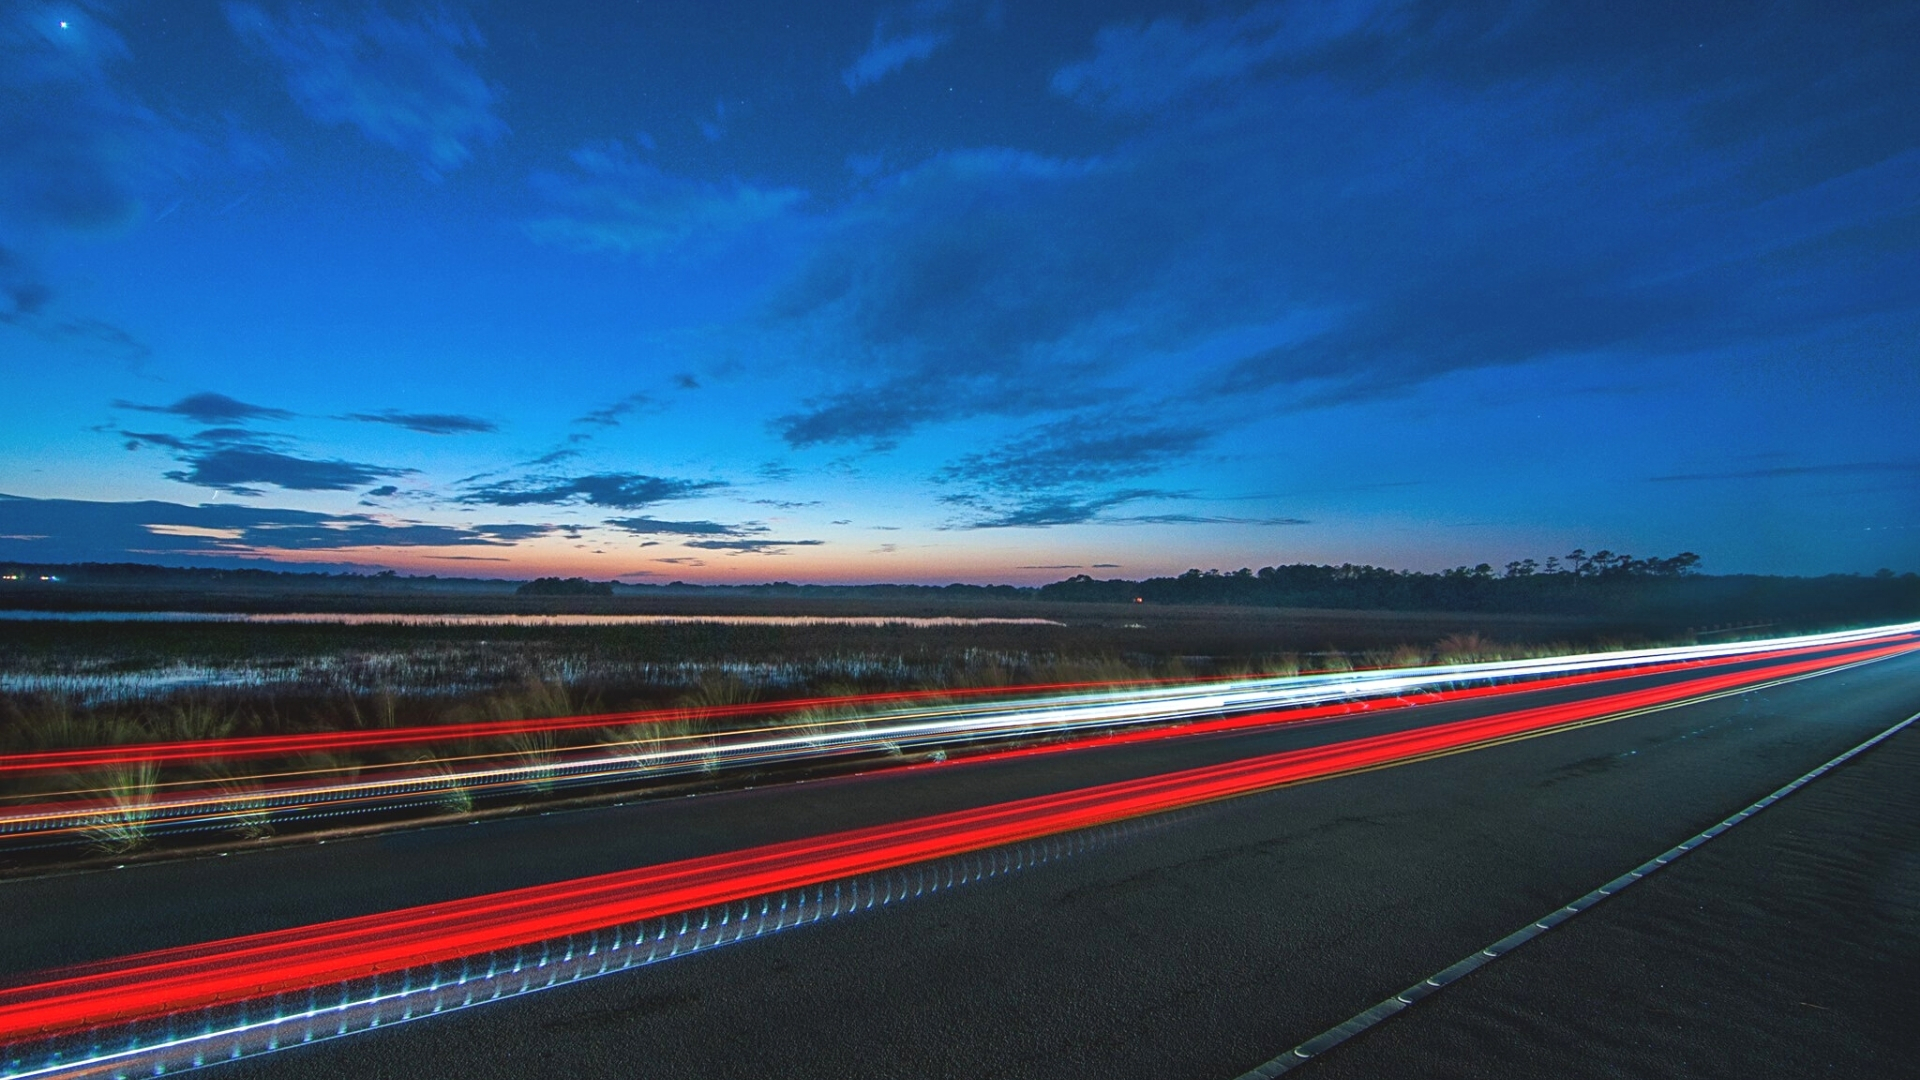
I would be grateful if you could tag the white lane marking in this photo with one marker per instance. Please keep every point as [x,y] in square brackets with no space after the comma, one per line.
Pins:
[1340,1033]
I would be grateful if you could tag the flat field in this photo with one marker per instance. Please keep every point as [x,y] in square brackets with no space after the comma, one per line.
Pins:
[146,678]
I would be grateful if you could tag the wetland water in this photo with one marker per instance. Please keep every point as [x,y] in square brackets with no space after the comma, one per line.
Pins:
[376,619]
[437,665]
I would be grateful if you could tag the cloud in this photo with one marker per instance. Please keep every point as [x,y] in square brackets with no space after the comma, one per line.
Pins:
[136,439]
[96,335]
[235,460]
[77,530]
[957,289]
[210,408]
[84,154]
[610,415]
[619,491]
[237,468]
[1046,511]
[25,294]
[404,83]
[1851,468]
[749,547]
[613,202]
[888,54]
[647,526]
[1054,474]
[554,457]
[1204,519]
[1319,204]
[428,423]
[1081,450]
[1146,66]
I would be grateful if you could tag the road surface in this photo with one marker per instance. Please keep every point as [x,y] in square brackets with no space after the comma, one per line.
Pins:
[1196,945]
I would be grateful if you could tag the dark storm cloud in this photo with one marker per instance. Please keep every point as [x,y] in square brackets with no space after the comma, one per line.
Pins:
[77,530]
[618,491]
[403,82]
[647,526]
[428,423]
[210,408]
[615,202]
[1321,204]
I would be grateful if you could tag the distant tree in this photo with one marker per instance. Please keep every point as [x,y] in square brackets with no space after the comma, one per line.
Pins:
[573,586]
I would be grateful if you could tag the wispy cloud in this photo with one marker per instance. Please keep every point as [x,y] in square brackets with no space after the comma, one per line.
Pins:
[210,408]
[612,201]
[1095,448]
[618,491]
[1780,472]
[73,530]
[958,286]
[239,469]
[750,546]
[1047,511]
[238,460]
[1145,66]
[888,53]
[1204,519]
[1371,196]
[428,423]
[647,526]
[406,83]
[612,415]
[91,162]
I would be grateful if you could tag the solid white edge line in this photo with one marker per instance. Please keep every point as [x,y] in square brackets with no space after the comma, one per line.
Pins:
[1360,1022]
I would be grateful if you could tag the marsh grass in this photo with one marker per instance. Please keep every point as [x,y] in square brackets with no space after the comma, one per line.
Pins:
[124,822]
[105,684]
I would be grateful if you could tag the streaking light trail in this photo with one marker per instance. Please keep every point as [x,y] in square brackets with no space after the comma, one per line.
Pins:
[645,746]
[1387,680]
[175,1008]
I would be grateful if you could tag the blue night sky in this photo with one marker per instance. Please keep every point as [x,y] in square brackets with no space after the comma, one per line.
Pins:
[958,291]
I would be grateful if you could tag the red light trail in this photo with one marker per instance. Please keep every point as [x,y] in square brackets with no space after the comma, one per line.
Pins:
[177,980]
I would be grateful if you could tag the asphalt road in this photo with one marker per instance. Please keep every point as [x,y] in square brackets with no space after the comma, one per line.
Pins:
[1199,946]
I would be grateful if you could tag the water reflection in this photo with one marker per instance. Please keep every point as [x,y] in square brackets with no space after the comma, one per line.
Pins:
[397,619]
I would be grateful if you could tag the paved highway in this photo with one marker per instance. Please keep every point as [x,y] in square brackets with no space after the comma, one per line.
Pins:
[1198,944]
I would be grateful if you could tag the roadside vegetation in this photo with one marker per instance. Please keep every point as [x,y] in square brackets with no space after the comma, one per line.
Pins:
[66,685]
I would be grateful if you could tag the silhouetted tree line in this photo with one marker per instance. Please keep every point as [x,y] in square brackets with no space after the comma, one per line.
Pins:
[1578,583]
[573,586]
[1670,590]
